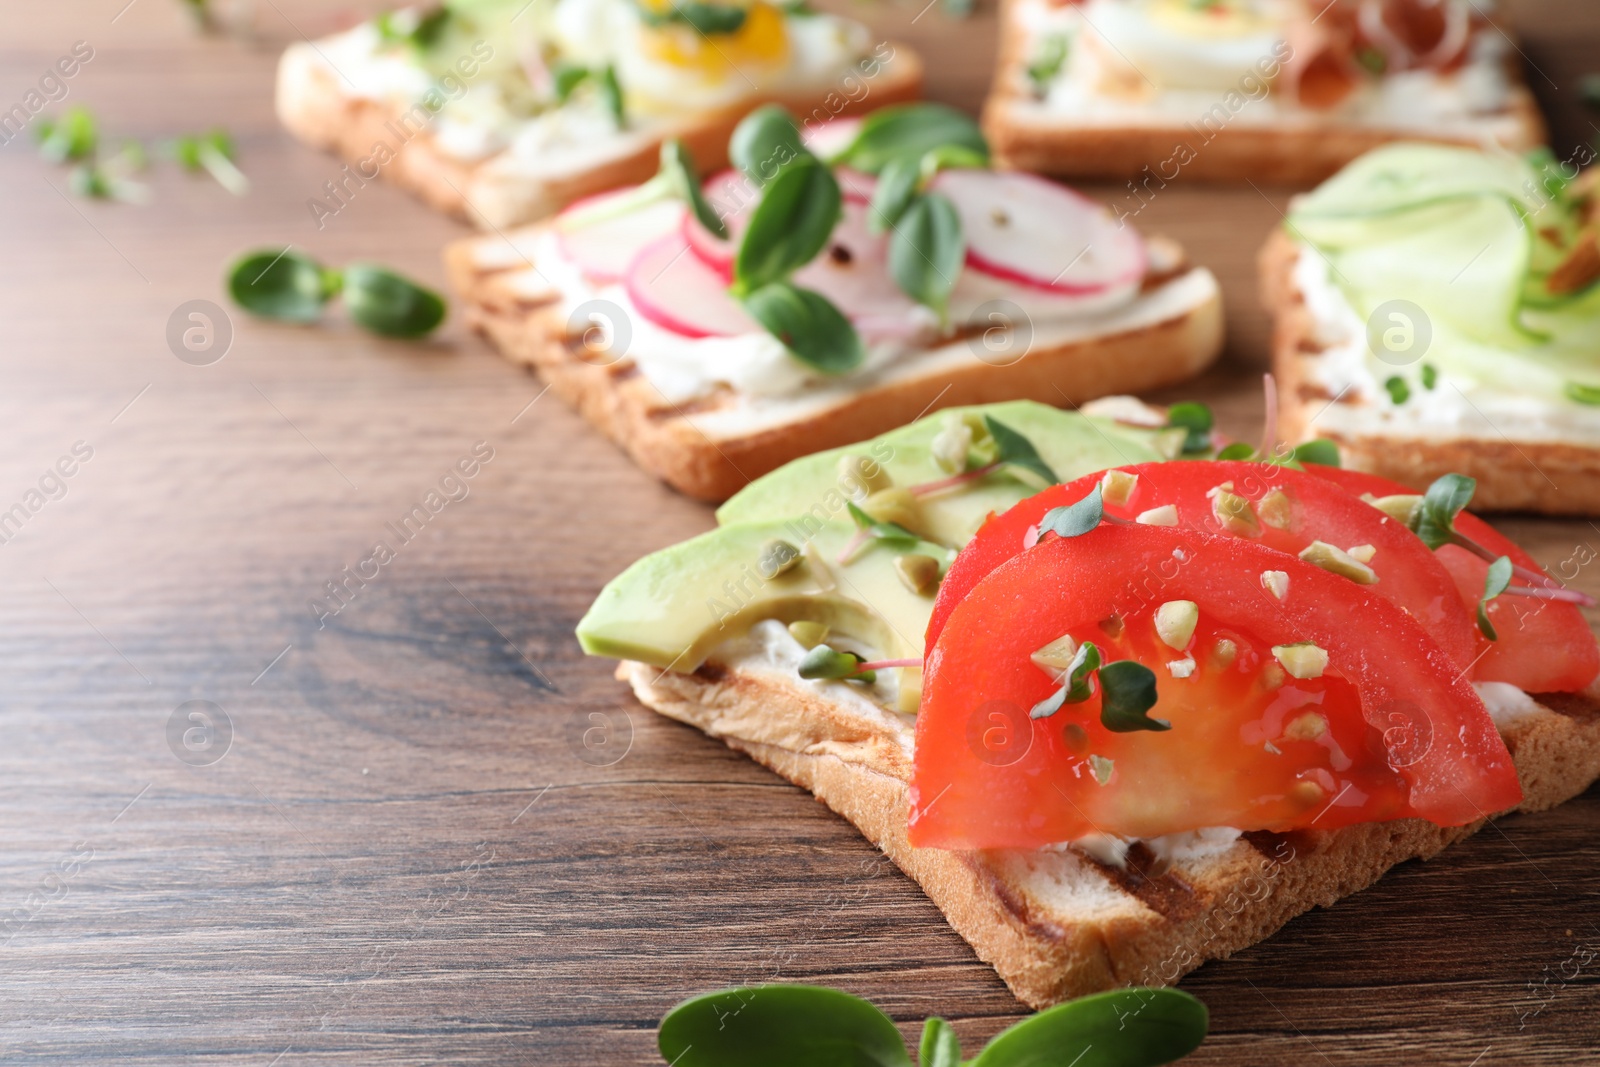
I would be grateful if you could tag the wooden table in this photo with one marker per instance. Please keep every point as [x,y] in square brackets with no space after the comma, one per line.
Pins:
[407,855]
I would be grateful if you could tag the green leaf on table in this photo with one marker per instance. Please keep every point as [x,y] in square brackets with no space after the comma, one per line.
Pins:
[909,130]
[388,304]
[797,213]
[1495,582]
[811,328]
[927,251]
[1018,454]
[1137,1027]
[781,1026]
[283,285]
[1127,691]
[940,1047]
[73,136]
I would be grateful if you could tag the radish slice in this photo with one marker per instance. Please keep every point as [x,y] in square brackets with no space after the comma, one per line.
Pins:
[603,250]
[826,139]
[677,291]
[852,271]
[733,197]
[1034,232]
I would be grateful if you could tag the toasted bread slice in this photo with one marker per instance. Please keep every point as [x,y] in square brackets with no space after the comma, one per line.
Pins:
[1544,474]
[1150,147]
[1060,924]
[712,446]
[314,103]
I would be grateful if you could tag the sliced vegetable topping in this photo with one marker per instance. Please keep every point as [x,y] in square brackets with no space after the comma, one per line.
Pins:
[1329,707]
[1311,519]
[1541,645]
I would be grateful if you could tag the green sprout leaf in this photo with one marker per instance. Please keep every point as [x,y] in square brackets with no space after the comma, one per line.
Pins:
[825,662]
[1429,375]
[1494,583]
[1137,1027]
[896,189]
[1582,394]
[1075,520]
[910,130]
[565,79]
[1321,451]
[678,166]
[611,95]
[810,327]
[1444,500]
[285,285]
[781,1026]
[1399,391]
[706,18]
[927,251]
[764,142]
[890,533]
[1127,691]
[72,137]
[388,304]
[940,1046]
[1017,453]
[1078,685]
[1197,420]
[1047,61]
[797,213]
[1238,450]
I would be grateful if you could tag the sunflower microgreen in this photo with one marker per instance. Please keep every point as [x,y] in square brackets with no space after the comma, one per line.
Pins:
[1495,582]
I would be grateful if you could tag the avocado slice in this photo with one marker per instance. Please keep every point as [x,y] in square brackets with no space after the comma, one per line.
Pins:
[812,491]
[673,607]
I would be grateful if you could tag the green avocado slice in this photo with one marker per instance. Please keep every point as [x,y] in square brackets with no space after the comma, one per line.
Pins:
[673,607]
[812,491]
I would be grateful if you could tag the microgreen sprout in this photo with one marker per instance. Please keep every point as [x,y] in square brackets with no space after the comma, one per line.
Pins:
[796,1026]
[870,529]
[1434,520]
[1495,582]
[291,287]
[1012,454]
[213,153]
[1196,420]
[72,137]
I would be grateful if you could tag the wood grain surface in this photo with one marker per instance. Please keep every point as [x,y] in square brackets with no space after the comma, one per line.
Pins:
[408,853]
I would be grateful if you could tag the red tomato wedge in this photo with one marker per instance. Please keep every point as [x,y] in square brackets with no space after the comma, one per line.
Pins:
[1544,646]
[1388,730]
[1305,509]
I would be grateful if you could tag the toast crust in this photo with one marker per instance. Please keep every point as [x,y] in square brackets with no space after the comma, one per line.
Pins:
[1547,477]
[665,439]
[1300,152]
[312,105]
[1134,927]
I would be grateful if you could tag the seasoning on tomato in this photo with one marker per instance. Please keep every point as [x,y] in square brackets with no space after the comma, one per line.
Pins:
[1153,680]
[1292,511]
[1541,644]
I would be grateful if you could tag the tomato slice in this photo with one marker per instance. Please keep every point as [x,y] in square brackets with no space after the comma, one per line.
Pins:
[1544,646]
[1389,730]
[1289,510]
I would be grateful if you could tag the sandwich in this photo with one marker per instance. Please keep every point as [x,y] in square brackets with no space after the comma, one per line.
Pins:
[1284,91]
[1119,706]
[843,278]
[500,112]
[1437,310]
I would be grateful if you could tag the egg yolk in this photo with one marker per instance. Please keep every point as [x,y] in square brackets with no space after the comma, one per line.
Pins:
[762,40]
[1213,19]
